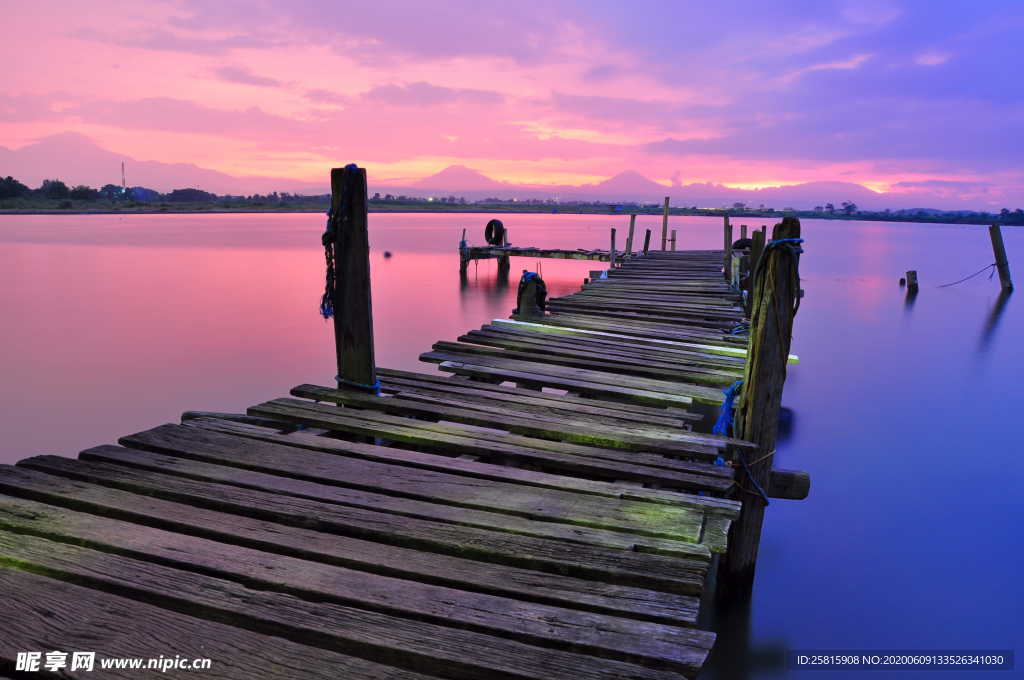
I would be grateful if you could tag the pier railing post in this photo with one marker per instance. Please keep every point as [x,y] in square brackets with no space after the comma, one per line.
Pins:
[647,241]
[727,266]
[999,250]
[776,293]
[629,237]
[353,313]
[756,248]
[664,225]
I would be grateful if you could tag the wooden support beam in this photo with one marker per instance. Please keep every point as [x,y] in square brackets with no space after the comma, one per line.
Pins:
[743,231]
[353,313]
[756,248]
[611,251]
[527,308]
[664,225]
[999,250]
[776,293]
[647,241]
[673,239]
[629,237]
[727,266]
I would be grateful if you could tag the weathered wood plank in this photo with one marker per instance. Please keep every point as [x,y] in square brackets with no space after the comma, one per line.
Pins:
[475,468]
[535,624]
[679,442]
[364,634]
[588,461]
[579,560]
[363,555]
[403,490]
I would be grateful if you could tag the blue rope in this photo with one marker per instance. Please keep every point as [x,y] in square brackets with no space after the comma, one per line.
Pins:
[741,328]
[792,243]
[375,387]
[753,481]
[724,422]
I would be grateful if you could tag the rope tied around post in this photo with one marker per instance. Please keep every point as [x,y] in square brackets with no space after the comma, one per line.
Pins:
[375,387]
[327,300]
[725,415]
[330,278]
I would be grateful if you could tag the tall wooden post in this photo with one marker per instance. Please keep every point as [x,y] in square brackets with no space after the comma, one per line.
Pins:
[999,250]
[611,252]
[743,231]
[673,239]
[629,237]
[727,233]
[664,225]
[353,312]
[776,292]
[756,248]
[647,241]
[463,254]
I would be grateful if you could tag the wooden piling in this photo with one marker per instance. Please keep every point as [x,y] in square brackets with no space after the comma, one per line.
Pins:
[776,292]
[912,279]
[526,303]
[756,248]
[999,250]
[647,241]
[629,237]
[743,231]
[611,252]
[727,266]
[353,313]
[664,225]
[673,239]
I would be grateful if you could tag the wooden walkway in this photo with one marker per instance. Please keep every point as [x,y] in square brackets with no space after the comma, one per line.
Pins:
[546,507]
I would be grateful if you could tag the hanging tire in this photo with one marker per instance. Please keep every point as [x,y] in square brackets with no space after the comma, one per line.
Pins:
[494,233]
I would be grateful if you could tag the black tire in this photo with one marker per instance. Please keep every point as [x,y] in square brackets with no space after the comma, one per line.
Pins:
[494,233]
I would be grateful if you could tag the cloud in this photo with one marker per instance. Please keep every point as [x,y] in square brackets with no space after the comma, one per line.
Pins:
[426,94]
[242,75]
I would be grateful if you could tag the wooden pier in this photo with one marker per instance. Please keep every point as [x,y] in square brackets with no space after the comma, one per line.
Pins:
[547,506]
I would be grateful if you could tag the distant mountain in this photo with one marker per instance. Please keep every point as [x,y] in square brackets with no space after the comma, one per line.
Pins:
[76,159]
[459,178]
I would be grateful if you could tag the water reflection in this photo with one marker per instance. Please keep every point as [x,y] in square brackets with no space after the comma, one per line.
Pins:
[911,297]
[994,317]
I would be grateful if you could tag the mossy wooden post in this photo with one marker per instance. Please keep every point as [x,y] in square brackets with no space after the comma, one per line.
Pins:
[353,312]
[664,225]
[999,250]
[647,241]
[756,248]
[527,308]
[611,252]
[629,237]
[776,292]
[727,233]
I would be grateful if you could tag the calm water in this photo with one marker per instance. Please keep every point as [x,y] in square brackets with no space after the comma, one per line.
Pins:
[906,415]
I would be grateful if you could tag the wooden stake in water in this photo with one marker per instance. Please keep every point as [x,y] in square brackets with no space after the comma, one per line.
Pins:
[912,279]
[664,225]
[727,266]
[611,252]
[353,312]
[629,237]
[647,241]
[776,291]
[999,250]
[743,231]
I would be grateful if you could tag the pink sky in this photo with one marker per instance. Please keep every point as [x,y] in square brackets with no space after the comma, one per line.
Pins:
[897,96]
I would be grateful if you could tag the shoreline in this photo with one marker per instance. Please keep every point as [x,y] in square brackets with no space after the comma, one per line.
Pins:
[677,212]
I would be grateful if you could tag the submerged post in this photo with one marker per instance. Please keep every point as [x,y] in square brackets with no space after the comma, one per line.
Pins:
[999,250]
[664,225]
[647,241]
[629,237]
[776,296]
[611,252]
[727,266]
[912,279]
[353,314]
